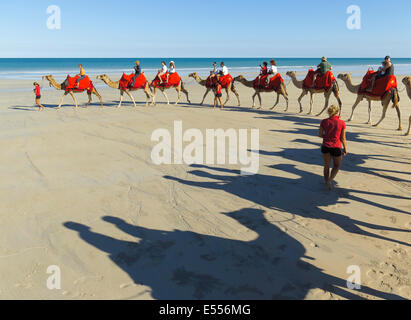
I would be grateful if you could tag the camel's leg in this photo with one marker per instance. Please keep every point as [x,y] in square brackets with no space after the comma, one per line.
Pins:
[89,100]
[384,112]
[285,95]
[409,127]
[121,98]
[259,98]
[153,102]
[99,97]
[184,90]
[397,108]
[228,96]
[148,94]
[234,89]
[278,100]
[311,102]
[205,95]
[165,95]
[303,94]
[369,111]
[62,99]
[178,89]
[254,95]
[74,99]
[337,96]
[131,97]
[327,100]
[357,102]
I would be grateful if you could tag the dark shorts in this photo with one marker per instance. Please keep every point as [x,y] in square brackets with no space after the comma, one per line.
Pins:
[335,152]
[38,97]
[379,76]
[218,95]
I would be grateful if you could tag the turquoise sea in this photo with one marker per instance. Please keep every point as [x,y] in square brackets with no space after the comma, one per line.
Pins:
[36,68]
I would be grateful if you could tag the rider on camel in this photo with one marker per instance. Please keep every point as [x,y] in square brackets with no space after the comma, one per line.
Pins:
[386,70]
[323,68]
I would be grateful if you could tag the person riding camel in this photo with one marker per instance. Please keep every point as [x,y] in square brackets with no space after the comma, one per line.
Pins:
[323,68]
[263,72]
[224,69]
[137,70]
[171,70]
[272,71]
[81,75]
[387,69]
[162,71]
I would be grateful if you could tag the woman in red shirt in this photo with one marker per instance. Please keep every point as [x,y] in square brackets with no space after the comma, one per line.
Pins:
[37,92]
[218,92]
[332,130]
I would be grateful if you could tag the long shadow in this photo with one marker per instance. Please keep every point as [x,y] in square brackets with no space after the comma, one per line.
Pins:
[353,163]
[304,196]
[186,265]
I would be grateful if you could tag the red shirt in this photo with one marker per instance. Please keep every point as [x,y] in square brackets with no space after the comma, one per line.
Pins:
[333,128]
[37,90]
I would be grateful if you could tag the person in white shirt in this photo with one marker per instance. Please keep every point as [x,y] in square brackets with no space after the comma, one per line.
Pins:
[224,69]
[171,69]
[272,70]
[162,71]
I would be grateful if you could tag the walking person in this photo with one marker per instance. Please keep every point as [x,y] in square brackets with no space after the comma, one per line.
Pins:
[37,92]
[218,92]
[333,132]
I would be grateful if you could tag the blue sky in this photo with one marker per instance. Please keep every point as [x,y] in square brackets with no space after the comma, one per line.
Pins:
[199,28]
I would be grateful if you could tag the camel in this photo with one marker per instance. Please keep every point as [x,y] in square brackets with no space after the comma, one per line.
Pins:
[299,84]
[57,86]
[116,85]
[202,82]
[407,82]
[385,102]
[179,88]
[280,91]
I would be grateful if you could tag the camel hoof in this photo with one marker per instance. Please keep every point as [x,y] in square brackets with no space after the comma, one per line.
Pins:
[259,108]
[399,129]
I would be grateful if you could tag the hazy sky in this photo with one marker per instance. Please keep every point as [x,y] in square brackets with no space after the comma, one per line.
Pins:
[205,28]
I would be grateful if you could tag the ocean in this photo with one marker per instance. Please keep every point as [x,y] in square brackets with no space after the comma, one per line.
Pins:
[34,69]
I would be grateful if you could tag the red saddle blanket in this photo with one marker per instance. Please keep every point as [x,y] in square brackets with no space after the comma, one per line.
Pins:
[382,86]
[173,80]
[322,82]
[70,84]
[224,80]
[273,85]
[126,81]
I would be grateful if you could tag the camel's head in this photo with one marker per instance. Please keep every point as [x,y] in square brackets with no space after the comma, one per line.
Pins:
[343,76]
[101,77]
[48,77]
[239,78]
[291,73]
[193,75]
[407,81]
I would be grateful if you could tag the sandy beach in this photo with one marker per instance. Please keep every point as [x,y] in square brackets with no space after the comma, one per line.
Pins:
[79,191]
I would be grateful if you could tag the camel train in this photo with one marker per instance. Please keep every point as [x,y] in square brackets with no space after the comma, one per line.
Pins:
[326,84]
